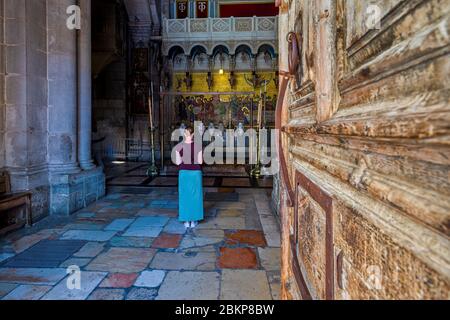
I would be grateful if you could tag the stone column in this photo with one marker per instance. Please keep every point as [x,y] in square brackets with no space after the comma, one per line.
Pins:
[62,90]
[85,88]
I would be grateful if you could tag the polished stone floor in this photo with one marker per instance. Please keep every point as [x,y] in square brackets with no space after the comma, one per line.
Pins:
[131,246]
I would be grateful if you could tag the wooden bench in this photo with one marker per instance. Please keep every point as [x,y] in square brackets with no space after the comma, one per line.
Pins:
[10,201]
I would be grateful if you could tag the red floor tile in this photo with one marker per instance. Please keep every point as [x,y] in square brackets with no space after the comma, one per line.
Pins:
[237,258]
[248,237]
[119,280]
[167,241]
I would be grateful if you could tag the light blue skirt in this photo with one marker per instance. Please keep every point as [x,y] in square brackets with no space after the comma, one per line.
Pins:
[190,193]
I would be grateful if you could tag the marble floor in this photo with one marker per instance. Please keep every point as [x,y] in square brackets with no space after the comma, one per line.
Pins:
[131,247]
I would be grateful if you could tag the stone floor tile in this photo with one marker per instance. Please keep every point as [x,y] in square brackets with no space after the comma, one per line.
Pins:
[270,258]
[6,288]
[152,212]
[122,260]
[192,260]
[142,294]
[5,256]
[223,223]
[119,280]
[175,226]
[230,205]
[131,242]
[84,226]
[119,224]
[150,222]
[27,292]
[209,233]
[190,286]
[90,250]
[89,281]
[201,238]
[107,294]
[37,276]
[79,262]
[147,232]
[246,237]
[275,284]
[233,213]
[244,285]
[28,241]
[167,241]
[237,258]
[88,235]
[86,215]
[150,279]
[273,239]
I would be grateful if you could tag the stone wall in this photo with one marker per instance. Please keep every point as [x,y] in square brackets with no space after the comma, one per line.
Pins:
[24,108]
[39,107]
[366,142]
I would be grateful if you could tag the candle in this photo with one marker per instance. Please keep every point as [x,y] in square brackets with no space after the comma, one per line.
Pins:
[259,114]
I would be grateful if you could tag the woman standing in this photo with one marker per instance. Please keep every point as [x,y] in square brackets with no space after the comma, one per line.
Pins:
[189,158]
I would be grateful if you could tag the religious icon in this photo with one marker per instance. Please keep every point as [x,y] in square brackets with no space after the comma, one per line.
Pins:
[140,59]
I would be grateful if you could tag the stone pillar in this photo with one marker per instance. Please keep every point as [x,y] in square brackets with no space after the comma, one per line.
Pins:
[24,64]
[62,90]
[85,88]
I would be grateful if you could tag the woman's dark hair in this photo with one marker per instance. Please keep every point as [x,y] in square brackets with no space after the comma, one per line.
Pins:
[190,129]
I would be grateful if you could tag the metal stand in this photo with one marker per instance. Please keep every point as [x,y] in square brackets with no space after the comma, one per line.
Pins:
[152,170]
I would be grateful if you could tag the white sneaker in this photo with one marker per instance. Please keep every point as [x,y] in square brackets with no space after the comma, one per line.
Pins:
[187,225]
[194,224]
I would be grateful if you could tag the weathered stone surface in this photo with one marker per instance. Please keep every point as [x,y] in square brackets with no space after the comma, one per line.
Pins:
[122,260]
[27,292]
[246,237]
[6,288]
[32,276]
[119,225]
[149,227]
[28,241]
[167,241]
[150,279]
[119,280]
[270,258]
[131,242]
[88,235]
[201,238]
[79,262]
[224,223]
[90,250]
[148,232]
[107,294]
[5,256]
[142,294]
[175,226]
[89,281]
[190,286]
[192,260]
[237,258]
[244,285]
[275,284]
